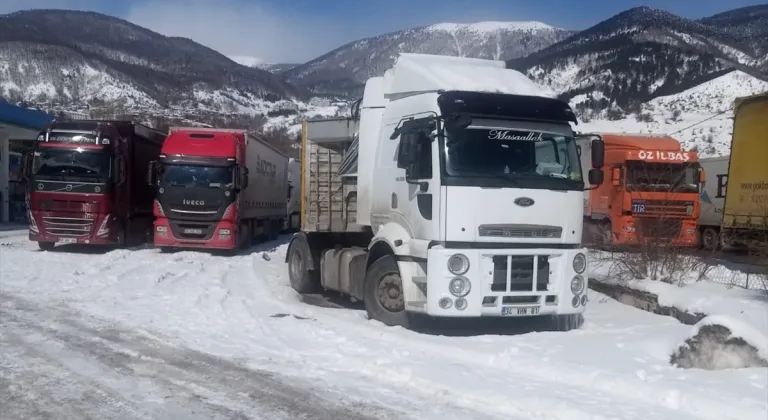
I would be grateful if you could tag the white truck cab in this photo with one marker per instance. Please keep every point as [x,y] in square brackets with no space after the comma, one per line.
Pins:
[455,190]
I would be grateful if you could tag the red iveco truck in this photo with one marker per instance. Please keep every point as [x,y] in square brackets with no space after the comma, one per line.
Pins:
[217,189]
[85,183]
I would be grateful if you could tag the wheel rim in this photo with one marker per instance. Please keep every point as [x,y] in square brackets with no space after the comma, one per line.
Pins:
[295,265]
[389,293]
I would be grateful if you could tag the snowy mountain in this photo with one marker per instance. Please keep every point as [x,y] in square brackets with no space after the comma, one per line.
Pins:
[699,117]
[258,63]
[343,71]
[639,55]
[748,25]
[89,58]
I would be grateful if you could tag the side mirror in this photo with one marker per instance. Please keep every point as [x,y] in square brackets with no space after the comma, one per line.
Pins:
[598,153]
[616,176]
[152,173]
[596,177]
[405,151]
[244,182]
[458,121]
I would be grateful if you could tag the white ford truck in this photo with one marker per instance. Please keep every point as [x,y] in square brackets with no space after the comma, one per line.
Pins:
[454,190]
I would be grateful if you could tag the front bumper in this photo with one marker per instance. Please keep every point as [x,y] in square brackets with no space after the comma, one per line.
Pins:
[72,228]
[671,231]
[507,282]
[216,239]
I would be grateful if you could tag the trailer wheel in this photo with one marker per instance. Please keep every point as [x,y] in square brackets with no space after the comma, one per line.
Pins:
[710,238]
[46,246]
[383,294]
[302,280]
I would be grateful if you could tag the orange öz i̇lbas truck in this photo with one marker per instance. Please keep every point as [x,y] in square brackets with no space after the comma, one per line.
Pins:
[653,193]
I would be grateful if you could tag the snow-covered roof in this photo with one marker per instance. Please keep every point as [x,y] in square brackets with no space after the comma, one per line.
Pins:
[414,73]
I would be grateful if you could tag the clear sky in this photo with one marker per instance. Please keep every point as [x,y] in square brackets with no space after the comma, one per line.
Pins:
[299,30]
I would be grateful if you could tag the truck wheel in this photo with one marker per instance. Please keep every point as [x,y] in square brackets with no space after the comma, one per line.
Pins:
[46,246]
[565,323]
[710,238]
[302,280]
[383,294]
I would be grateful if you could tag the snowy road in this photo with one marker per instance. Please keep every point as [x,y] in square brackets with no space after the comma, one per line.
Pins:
[154,322]
[58,364]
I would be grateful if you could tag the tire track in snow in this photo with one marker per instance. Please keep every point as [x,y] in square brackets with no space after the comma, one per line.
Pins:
[57,364]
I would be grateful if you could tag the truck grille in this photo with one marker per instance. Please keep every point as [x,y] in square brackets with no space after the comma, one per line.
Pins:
[520,273]
[521,231]
[666,208]
[68,226]
[79,206]
[651,227]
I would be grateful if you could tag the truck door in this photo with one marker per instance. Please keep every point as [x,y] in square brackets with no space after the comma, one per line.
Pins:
[417,196]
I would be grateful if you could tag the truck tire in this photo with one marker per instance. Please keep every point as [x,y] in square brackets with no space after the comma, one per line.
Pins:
[709,238]
[565,323]
[46,246]
[383,295]
[303,281]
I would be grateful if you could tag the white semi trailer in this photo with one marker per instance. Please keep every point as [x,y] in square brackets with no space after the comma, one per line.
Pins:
[712,201]
[454,190]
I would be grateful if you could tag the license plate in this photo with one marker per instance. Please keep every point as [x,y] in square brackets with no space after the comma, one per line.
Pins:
[194,231]
[512,311]
[67,240]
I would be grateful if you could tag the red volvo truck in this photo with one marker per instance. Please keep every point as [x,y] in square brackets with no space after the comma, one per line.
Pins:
[85,183]
[217,189]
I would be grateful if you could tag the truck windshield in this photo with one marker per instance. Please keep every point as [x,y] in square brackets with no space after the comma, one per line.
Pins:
[546,159]
[189,176]
[662,177]
[71,164]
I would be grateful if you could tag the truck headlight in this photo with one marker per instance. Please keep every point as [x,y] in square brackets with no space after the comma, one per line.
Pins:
[161,229]
[459,286]
[458,264]
[577,285]
[223,233]
[579,263]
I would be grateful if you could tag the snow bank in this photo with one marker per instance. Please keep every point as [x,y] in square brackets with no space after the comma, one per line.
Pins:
[704,296]
[722,342]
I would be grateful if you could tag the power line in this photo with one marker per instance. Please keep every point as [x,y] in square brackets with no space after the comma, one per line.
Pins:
[702,121]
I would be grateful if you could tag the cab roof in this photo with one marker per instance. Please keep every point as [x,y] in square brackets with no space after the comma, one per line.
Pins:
[640,141]
[202,143]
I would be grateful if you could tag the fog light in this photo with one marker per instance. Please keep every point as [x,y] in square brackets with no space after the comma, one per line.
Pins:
[459,286]
[445,303]
[689,231]
[579,263]
[577,285]
[575,302]
[224,232]
[161,229]
[584,300]
[458,264]
[461,304]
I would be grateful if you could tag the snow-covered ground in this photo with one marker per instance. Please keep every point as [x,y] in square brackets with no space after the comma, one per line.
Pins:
[700,117]
[737,300]
[241,309]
